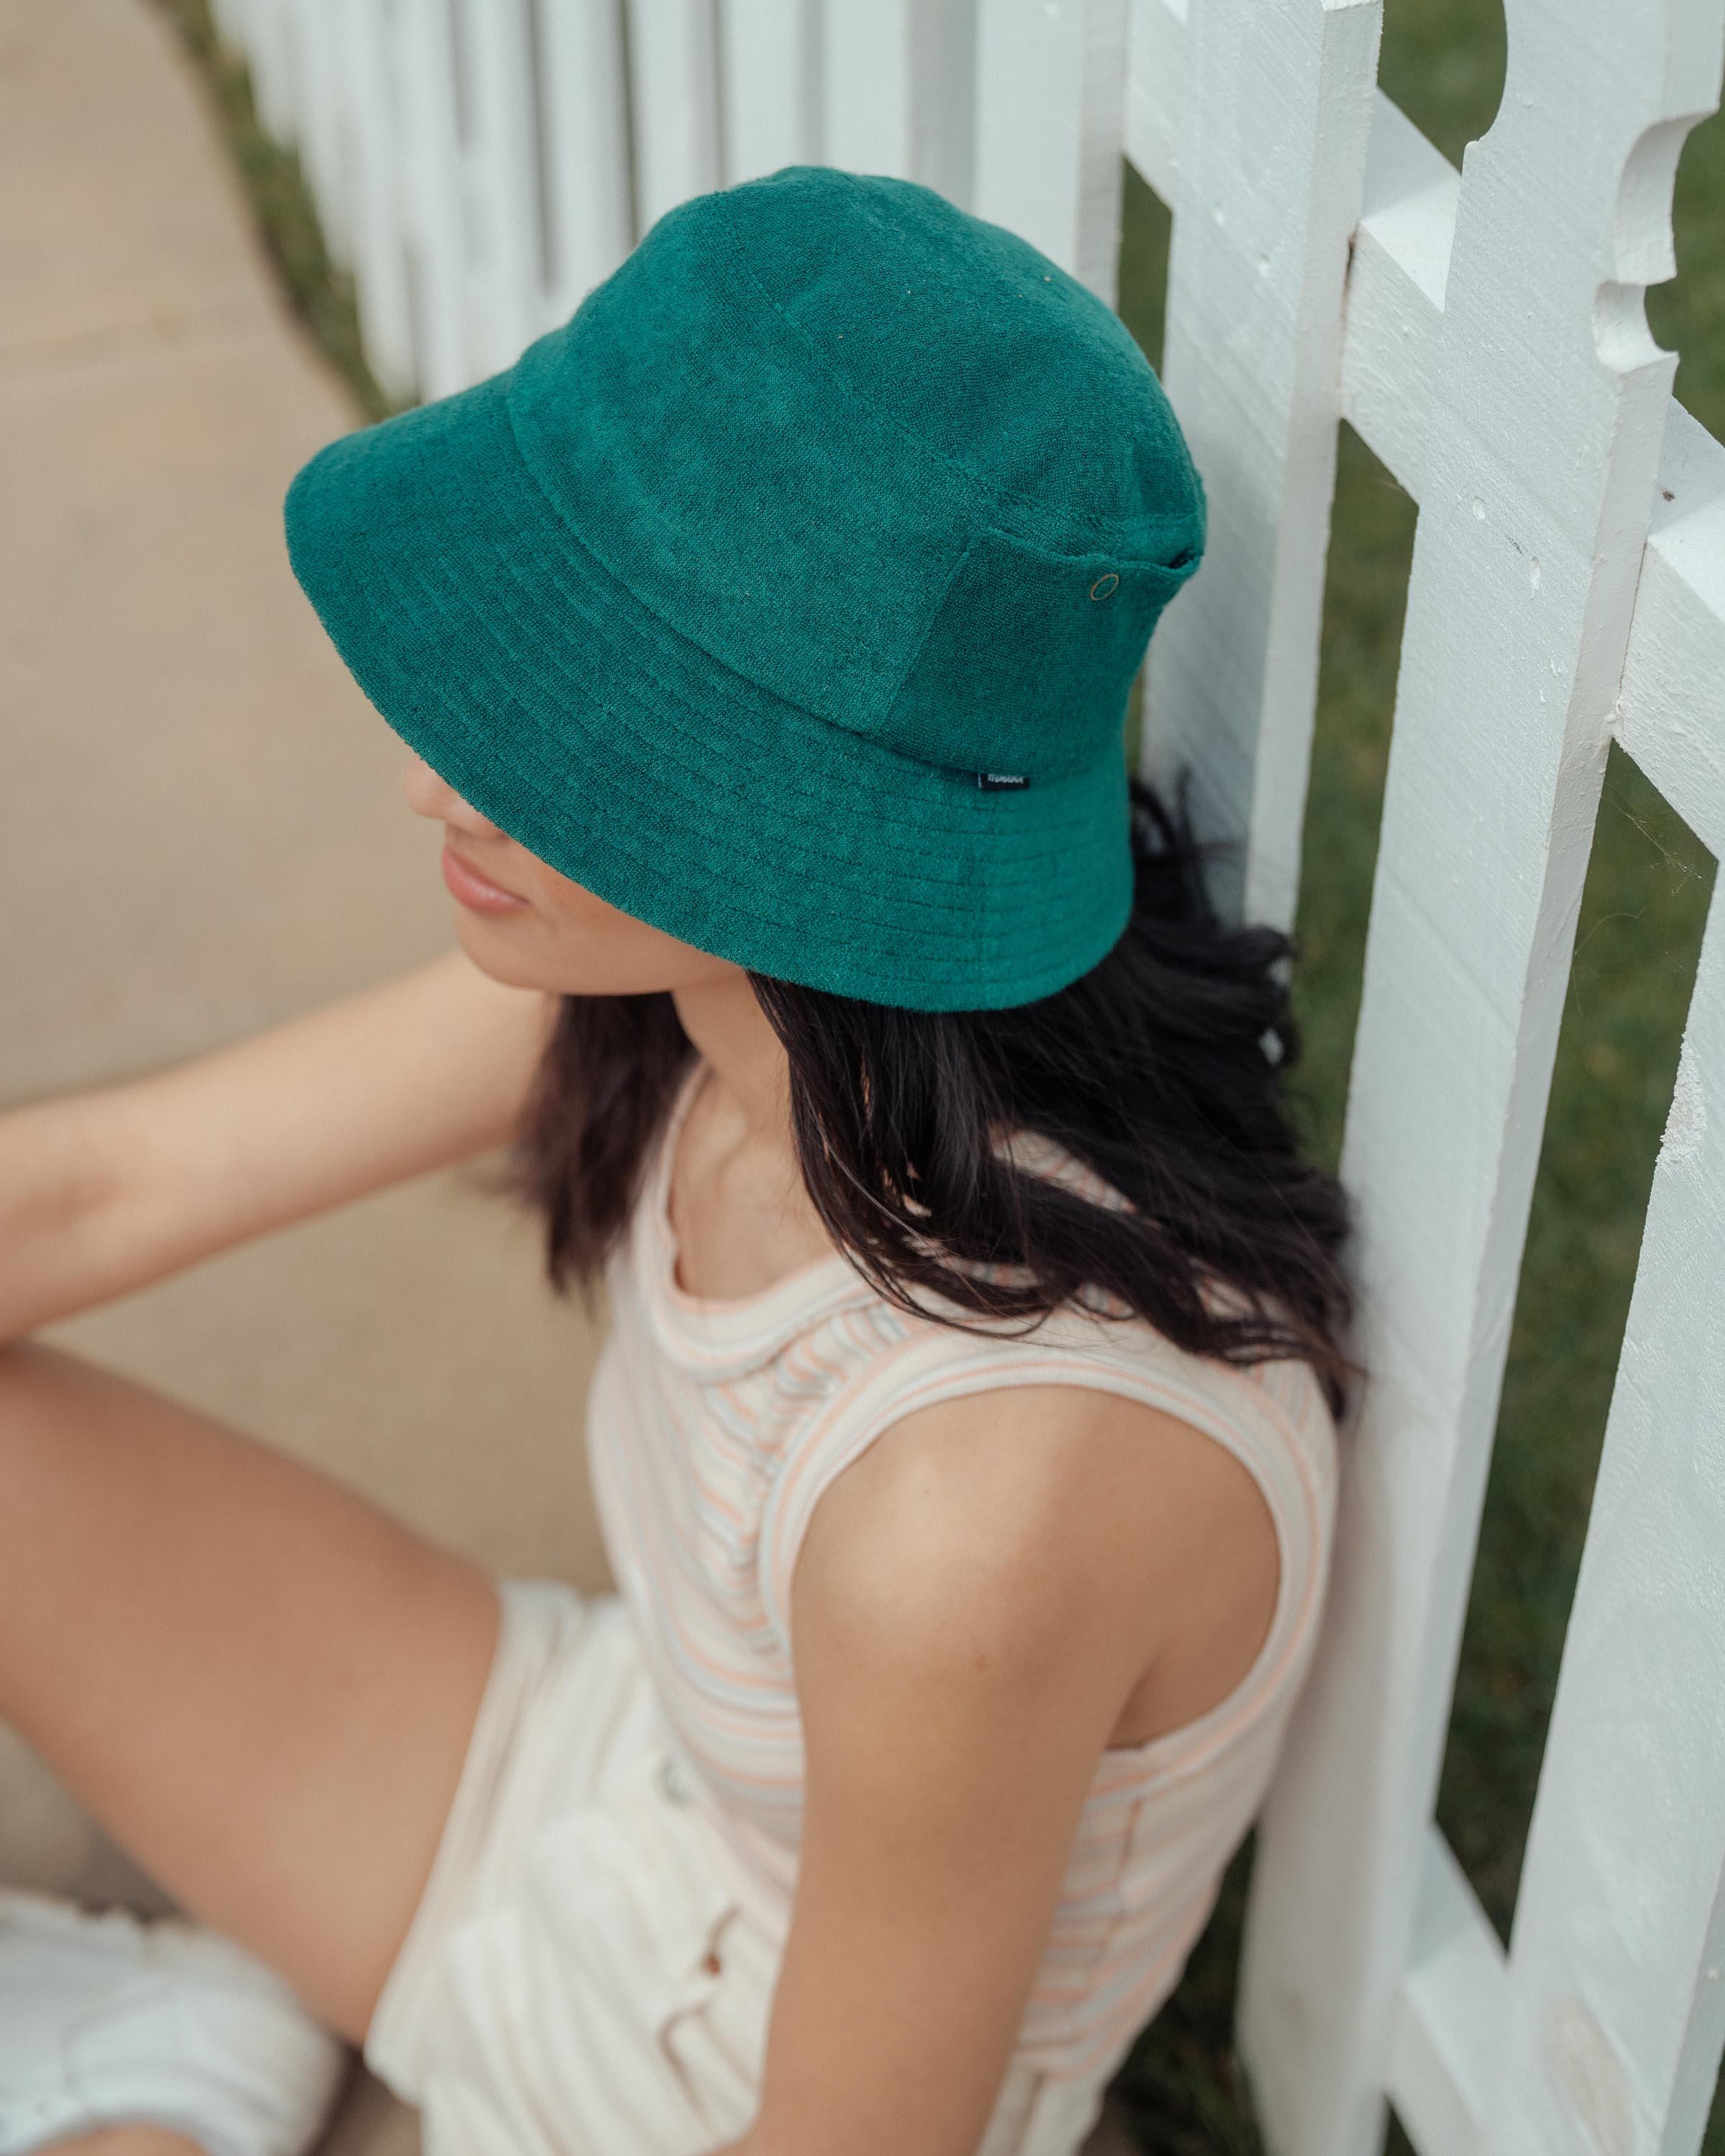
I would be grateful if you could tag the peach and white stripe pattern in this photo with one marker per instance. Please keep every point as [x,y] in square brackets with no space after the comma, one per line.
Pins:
[715,1427]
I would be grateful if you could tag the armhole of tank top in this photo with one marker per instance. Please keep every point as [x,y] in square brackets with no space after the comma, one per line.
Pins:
[1293,1467]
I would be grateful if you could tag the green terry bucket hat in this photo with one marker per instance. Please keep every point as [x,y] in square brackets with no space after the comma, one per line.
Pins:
[789,596]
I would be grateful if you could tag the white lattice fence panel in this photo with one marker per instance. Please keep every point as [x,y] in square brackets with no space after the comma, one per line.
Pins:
[1494,352]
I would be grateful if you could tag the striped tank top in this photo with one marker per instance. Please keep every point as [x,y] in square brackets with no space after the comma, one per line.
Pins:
[713,1428]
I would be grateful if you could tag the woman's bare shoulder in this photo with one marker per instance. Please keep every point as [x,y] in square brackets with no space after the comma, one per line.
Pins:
[1048,1521]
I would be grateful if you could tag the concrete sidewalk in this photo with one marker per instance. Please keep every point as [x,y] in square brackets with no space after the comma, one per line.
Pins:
[201,831]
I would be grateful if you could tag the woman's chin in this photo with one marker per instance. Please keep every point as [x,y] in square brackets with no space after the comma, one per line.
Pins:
[519,951]
[497,944]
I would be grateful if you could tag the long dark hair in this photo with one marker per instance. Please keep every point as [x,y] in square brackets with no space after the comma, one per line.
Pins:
[1161,1070]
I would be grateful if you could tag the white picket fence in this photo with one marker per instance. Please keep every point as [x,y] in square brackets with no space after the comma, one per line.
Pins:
[481,162]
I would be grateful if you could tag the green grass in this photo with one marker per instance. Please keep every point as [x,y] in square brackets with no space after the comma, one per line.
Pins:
[1646,898]
[1646,901]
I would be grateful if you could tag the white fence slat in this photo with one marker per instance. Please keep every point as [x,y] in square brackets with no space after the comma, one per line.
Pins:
[1449,2012]
[869,52]
[674,88]
[269,48]
[1616,2005]
[769,85]
[1051,102]
[1156,45]
[380,251]
[582,111]
[433,213]
[326,91]
[1278,103]
[1539,476]
[898,90]
[232,24]
[290,31]
[1671,704]
[1401,246]
[500,182]
[943,98]
[1395,293]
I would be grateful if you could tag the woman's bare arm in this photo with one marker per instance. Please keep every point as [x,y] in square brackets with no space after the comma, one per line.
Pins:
[975,1600]
[104,1191]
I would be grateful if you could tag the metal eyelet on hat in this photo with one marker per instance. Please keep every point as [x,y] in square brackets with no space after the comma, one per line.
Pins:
[1104,586]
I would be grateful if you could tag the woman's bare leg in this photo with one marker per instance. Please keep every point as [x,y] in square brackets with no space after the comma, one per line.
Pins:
[128,2141]
[263,1687]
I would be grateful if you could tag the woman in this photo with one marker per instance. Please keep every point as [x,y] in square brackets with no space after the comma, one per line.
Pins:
[964,1442]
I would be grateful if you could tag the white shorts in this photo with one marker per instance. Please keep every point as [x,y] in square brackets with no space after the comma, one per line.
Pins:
[580,1978]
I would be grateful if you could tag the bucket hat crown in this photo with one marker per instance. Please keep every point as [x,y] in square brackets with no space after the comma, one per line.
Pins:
[788,596]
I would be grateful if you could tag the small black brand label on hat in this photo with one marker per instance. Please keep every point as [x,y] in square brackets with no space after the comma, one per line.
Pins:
[1001,782]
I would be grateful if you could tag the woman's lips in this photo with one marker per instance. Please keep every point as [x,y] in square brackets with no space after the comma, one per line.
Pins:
[476,892]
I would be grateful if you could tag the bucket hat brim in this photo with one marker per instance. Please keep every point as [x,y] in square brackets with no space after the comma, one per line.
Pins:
[499,647]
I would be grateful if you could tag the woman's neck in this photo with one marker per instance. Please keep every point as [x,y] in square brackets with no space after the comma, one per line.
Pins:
[740,1213]
[750,1074]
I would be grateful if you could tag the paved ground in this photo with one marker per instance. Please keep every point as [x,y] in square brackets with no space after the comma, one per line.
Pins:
[201,830]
